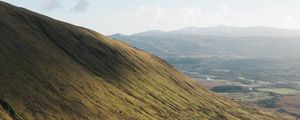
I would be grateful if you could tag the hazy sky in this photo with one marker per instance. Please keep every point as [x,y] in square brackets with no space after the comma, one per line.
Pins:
[131,16]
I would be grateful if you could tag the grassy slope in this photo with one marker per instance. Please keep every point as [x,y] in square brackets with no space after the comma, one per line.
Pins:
[4,115]
[54,70]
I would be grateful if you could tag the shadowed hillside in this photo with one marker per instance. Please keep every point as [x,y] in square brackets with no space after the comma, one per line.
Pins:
[54,70]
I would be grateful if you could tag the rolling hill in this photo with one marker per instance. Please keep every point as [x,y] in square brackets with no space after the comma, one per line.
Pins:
[54,70]
[255,53]
[217,41]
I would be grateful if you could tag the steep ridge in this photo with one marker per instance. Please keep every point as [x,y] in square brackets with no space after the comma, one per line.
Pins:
[54,70]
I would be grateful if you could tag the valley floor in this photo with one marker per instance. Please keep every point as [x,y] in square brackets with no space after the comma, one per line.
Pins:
[262,94]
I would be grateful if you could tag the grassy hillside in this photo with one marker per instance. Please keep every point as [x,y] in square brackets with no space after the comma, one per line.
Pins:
[54,70]
[4,115]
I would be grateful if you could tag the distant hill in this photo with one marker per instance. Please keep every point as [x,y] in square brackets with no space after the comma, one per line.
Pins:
[55,70]
[226,31]
[218,41]
[255,53]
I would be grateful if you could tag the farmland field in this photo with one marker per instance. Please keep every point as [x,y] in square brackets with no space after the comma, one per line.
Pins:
[283,91]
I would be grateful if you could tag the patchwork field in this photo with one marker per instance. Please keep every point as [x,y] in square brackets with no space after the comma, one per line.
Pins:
[263,95]
[283,91]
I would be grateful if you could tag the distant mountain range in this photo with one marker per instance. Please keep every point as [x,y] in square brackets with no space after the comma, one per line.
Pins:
[226,31]
[219,40]
[256,53]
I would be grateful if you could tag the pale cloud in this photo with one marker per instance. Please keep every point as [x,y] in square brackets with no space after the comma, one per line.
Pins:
[150,13]
[156,17]
[191,12]
[50,4]
[226,9]
[191,15]
[159,13]
[289,17]
[81,6]
[109,16]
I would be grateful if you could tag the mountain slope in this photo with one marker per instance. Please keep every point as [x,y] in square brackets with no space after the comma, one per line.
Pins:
[54,70]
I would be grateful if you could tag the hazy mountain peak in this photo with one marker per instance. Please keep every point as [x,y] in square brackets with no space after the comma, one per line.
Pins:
[118,35]
[148,33]
[193,28]
[221,25]
[227,31]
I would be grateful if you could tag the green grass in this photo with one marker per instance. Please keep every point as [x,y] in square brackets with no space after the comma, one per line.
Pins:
[4,115]
[247,97]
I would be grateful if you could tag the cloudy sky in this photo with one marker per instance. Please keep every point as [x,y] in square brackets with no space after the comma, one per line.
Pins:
[131,16]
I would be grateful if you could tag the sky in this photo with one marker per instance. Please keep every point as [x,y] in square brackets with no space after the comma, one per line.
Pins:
[133,16]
